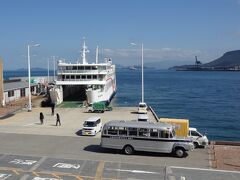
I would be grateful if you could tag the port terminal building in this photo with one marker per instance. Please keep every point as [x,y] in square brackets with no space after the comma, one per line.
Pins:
[14,89]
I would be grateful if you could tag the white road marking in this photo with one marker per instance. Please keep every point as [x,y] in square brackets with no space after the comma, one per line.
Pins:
[132,171]
[67,166]
[202,169]
[22,162]
[4,176]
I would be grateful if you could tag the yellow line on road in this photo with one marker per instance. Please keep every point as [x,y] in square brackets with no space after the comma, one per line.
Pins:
[55,175]
[99,171]
[35,173]
[78,177]
[17,173]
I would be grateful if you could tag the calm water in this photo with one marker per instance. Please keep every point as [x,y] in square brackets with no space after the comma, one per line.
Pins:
[210,100]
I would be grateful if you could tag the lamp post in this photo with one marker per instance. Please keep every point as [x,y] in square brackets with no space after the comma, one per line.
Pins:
[134,44]
[54,69]
[29,77]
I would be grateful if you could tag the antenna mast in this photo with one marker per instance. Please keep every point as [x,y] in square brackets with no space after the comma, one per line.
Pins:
[84,51]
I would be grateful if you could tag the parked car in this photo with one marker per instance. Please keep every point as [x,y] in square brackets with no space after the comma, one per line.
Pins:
[92,126]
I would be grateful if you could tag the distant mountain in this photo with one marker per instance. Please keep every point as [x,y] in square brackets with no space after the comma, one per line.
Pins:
[32,69]
[165,64]
[230,61]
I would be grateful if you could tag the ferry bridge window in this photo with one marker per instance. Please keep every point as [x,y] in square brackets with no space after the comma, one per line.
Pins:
[72,77]
[63,77]
[74,68]
[67,76]
[143,132]
[154,133]
[122,131]
[94,67]
[112,130]
[83,77]
[94,76]
[88,67]
[132,131]
[77,76]
[80,68]
[68,67]
[89,77]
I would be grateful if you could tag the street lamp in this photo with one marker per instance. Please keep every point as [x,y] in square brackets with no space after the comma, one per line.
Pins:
[134,44]
[29,77]
[54,69]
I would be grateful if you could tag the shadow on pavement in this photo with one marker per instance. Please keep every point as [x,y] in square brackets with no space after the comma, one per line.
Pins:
[79,133]
[6,116]
[99,149]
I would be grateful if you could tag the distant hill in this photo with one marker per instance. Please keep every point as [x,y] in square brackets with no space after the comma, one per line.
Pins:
[165,64]
[229,61]
[32,69]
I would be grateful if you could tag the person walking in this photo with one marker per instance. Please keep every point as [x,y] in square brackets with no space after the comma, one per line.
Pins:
[41,117]
[58,120]
[53,107]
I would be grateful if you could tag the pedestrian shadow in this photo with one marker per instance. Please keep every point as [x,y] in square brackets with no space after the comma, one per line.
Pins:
[38,123]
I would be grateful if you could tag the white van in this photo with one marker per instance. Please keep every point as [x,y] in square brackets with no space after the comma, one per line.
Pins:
[198,139]
[92,126]
[142,108]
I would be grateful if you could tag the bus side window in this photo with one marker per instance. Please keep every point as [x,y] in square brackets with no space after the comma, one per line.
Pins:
[122,131]
[143,132]
[164,134]
[132,131]
[112,130]
[154,133]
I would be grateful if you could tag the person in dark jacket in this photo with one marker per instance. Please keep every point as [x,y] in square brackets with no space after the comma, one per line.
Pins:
[41,117]
[53,107]
[58,120]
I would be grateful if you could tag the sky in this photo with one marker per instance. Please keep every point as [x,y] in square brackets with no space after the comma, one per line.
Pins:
[170,30]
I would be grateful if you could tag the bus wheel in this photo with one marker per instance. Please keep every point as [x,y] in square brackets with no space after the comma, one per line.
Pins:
[128,149]
[180,152]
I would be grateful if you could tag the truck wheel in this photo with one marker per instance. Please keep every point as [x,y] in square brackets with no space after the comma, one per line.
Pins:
[195,145]
[128,150]
[180,152]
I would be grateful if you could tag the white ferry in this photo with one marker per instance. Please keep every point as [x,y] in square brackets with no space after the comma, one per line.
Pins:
[87,82]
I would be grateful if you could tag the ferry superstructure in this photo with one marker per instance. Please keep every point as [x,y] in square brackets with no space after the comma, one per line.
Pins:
[89,82]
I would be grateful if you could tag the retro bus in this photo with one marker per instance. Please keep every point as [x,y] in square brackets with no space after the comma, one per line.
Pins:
[133,136]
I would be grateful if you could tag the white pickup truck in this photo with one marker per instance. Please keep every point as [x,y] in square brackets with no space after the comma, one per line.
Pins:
[198,139]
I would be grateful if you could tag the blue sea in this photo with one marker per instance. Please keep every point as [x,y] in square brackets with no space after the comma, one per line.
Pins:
[210,100]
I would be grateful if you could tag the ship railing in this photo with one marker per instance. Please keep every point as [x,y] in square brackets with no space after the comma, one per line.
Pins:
[83,71]
[81,80]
